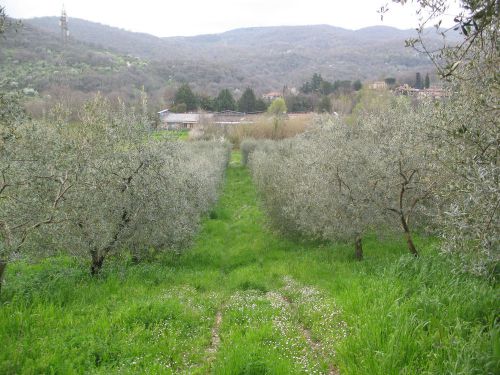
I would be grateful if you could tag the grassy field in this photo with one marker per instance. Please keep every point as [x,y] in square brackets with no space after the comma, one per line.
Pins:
[171,135]
[244,300]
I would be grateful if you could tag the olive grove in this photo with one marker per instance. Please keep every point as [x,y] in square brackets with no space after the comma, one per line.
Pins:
[341,181]
[426,165]
[101,186]
[466,128]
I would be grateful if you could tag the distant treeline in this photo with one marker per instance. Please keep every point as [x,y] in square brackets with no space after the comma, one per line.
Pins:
[321,86]
[312,96]
[185,100]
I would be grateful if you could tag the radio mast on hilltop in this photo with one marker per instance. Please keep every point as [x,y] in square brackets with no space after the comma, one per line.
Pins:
[63,22]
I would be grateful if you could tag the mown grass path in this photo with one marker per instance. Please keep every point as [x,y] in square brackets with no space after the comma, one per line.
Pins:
[257,327]
[244,300]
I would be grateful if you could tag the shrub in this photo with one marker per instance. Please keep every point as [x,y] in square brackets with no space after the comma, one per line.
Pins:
[261,128]
[247,147]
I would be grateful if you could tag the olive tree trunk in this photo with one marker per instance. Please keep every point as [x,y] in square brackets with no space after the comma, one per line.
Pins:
[358,249]
[3,265]
[97,261]
[409,240]
[405,219]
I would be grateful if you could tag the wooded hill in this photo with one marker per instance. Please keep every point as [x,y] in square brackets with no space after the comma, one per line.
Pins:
[270,55]
[119,62]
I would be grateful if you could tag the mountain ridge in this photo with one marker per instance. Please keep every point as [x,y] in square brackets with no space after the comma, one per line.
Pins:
[289,54]
[36,20]
[117,62]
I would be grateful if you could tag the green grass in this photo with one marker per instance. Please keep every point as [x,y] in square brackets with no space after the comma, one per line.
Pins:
[170,135]
[285,307]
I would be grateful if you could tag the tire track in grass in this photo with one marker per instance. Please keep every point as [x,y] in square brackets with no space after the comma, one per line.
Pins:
[317,347]
[215,342]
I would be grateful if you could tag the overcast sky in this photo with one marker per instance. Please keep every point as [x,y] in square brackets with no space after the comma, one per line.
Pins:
[193,17]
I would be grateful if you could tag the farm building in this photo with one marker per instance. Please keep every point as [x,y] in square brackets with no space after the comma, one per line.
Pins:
[433,92]
[378,85]
[170,120]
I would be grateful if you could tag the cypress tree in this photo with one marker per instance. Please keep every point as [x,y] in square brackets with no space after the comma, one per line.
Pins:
[427,82]
[418,81]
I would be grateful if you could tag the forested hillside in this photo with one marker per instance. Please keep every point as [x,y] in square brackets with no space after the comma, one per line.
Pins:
[265,58]
[37,63]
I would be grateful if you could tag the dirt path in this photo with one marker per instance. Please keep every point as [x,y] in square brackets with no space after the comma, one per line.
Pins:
[215,341]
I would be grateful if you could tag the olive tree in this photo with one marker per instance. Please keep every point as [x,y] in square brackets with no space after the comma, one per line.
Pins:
[342,180]
[111,156]
[249,145]
[34,183]
[101,186]
[385,161]
[466,128]
[342,172]
[315,184]
[467,132]
[134,192]
[3,19]
[22,179]
[405,176]
[180,184]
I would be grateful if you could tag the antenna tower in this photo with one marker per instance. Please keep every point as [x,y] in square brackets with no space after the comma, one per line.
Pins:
[63,22]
